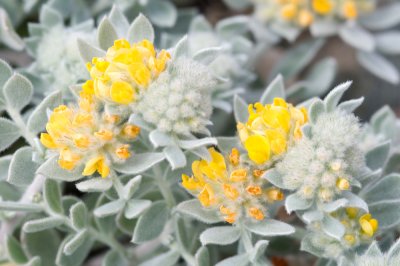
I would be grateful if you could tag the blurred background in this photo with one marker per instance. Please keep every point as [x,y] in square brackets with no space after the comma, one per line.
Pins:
[376,91]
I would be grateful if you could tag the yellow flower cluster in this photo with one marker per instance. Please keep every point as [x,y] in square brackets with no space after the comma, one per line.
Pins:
[84,135]
[125,71]
[304,12]
[233,188]
[270,129]
[360,227]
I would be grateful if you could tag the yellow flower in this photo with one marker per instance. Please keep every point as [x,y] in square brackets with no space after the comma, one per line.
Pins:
[256,213]
[342,184]
[258,148]
[229,216]
[270,129]
[359,227]
[227,185]
[289,11]
[206,196]
[368,225]
[305,18]
[350,9]
[322,7]
[125,71]
[121,92]
[85,136]
[96,164]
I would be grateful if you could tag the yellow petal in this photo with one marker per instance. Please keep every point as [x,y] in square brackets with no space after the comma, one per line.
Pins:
[47,141]
[103,168]
[122,92]
[91,166]
[258,148]
[206,196]
[322,7]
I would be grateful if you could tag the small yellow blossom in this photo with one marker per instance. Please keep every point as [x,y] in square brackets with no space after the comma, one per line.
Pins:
[360,227]
[323,7]
[270,129]
[84,136]
[349,9]
[125,71]
[305,18]
[342,184]
[289,11]
[302,13]
[368,224]
[227,185]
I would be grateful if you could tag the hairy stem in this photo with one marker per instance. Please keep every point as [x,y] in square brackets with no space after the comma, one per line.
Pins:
[164,186]
[17,118]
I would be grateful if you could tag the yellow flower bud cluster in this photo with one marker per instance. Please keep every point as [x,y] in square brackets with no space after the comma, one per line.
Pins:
[125,71]
[303,12]
[360,226]
[271,129]
[87,135]
[233,188]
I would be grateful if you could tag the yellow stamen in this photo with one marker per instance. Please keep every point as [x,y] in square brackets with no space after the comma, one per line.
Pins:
[256,213]
[105,135]
[234,157]
[342,184]
[131,131]
[238,175]
[123,152]
[254,190]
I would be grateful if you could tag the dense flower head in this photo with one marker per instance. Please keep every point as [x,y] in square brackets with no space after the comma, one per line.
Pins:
[326,163]
[360,228]
[126,71]
[303,12]
[179,101]
[84,135]
[57,57]
[235,189]
[271,129]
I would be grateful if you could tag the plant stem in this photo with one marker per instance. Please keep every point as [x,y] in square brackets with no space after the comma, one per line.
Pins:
[189,258]
[17,118]
[164,186]
[109,241]
[119,187]
[246,239]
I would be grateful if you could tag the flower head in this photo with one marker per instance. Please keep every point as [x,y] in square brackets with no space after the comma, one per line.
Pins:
[179,101]
[303,13]
[360,227]
[271,129]
[126,71]
[227,185]
[57,56]
[84,135]
[320,167]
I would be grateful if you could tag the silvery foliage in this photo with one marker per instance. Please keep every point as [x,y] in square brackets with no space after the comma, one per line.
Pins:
[12,13]
[367,191]
[372,36]
[161,13]
[373,256]
[236,58]
[54,47]
[140,200]
[169,130]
